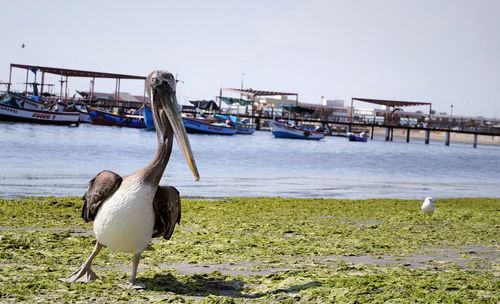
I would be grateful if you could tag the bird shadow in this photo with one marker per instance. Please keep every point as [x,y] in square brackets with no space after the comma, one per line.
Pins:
[212,284]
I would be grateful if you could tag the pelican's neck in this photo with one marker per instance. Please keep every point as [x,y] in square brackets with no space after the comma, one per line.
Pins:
[154,169]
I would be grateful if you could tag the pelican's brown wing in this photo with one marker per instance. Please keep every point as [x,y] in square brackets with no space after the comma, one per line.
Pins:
[167,206]
[100,188]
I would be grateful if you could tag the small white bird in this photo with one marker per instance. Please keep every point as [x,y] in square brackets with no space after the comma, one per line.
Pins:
[428,206]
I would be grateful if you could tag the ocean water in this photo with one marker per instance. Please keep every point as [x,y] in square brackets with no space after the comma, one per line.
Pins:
[56,160]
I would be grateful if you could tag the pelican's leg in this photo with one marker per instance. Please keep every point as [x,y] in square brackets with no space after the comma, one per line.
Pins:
[132,284]
[85,274]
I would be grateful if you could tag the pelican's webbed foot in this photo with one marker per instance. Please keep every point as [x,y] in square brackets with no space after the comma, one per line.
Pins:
[136,286]
[84,274]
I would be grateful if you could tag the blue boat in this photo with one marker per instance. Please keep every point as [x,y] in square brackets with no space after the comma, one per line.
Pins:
[244,126]
[284,130]
[363,137]
[193,125]
[148,117]
[207,126]
[104,118]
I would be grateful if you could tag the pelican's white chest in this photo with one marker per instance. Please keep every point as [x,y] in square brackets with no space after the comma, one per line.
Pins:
[125,221]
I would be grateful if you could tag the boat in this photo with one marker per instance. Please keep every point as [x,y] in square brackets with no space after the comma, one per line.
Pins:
[194,125]
[84,114]
[105,118]
[207,126]
[244,126]
[148,117]
[362,137]
[19,108]
[282,129]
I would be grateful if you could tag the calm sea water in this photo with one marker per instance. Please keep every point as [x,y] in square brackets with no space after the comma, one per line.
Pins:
[51,160]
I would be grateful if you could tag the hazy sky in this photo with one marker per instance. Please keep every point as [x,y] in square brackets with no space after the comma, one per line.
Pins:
[442,51]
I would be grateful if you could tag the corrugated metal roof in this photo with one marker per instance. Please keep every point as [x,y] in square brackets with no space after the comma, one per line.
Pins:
[392,103]
[253,93]
[74,73]
[124,96]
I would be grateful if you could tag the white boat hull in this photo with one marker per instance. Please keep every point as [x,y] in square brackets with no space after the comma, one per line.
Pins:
[8,113]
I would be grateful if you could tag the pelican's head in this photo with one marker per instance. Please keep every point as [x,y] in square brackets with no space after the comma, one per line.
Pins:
[160,86]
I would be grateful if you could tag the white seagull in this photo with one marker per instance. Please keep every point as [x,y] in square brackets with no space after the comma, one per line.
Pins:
[428,206]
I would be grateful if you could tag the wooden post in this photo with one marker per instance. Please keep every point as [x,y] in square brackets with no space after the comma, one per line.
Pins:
[475,140]
[387,132]
[392,133]
[66,91]
[41,86]
[408,135]
[350,116]
[116,90]
[427,136]
[10,78]
[371,134]
[447,138]
[26,86]
[92,90]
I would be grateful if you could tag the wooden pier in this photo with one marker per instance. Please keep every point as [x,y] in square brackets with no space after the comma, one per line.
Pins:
[389,128]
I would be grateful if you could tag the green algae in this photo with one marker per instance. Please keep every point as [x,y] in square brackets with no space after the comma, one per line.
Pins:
[41,240]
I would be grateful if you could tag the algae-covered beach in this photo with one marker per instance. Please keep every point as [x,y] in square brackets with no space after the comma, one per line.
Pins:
[264,250]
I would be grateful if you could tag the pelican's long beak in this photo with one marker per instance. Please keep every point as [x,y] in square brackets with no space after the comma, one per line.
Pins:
[174,117]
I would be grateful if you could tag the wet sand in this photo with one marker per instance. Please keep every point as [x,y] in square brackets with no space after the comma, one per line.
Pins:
[400,135]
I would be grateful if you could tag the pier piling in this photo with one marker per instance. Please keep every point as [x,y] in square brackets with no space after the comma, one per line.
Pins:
[427,136]
[387,132]
[371,134]
[447,138]
[475,141]
[408,135]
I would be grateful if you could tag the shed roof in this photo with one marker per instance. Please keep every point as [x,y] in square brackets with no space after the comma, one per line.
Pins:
[254,93]
[392,103]
[74,73]
[124,96]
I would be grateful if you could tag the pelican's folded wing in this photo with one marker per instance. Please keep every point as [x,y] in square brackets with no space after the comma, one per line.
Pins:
[167,206]
[100,188]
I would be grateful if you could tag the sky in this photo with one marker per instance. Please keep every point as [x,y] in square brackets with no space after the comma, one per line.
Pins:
[442,51]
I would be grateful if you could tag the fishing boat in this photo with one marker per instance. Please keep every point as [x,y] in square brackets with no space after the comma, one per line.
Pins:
[207,126]
[19,108]
[244,126]
[148,117]
[194,125]
[362,137]
[105,118]
[281,129]
[84,114]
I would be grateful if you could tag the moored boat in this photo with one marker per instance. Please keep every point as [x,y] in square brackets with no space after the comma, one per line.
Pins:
[207,126]
[244,126]
[100,117]
[283,130]
[148,117]
[18,108]
[84,114]
[363,137]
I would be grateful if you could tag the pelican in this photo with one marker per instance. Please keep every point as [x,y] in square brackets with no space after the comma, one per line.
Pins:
[428,206]
[127,212]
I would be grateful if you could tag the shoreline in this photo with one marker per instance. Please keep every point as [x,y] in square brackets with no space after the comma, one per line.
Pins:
[440,137]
